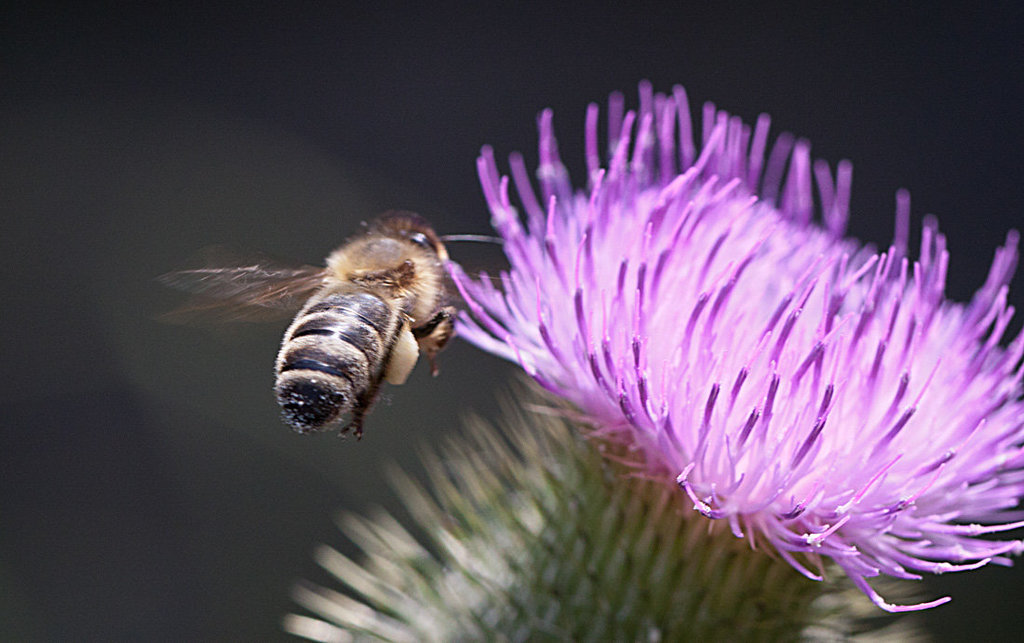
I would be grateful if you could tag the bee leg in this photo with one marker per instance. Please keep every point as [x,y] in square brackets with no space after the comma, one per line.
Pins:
[343,431]
[362,408]
[355,425]
[433,335]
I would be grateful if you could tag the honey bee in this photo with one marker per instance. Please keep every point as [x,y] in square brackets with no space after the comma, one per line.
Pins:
[378,303]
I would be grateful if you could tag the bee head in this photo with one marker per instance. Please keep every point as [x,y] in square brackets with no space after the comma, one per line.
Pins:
[410,227]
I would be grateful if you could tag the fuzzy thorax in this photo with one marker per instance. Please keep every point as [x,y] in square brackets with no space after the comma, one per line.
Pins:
[417,295]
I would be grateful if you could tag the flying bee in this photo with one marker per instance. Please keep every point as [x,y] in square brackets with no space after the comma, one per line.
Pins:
[367,315]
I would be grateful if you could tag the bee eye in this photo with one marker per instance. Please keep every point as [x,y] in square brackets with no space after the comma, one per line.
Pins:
[420,239]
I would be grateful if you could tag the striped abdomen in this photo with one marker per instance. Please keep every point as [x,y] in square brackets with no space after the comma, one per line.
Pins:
[333,357]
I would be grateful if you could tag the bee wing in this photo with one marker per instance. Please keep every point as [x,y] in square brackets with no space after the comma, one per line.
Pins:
[231,286]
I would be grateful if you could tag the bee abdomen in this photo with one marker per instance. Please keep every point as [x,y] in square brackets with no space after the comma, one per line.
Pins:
[315,326]
[308,403]
[338,364]
[367,308]
[331,355]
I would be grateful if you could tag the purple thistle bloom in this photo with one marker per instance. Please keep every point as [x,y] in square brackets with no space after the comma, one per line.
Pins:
[811,392]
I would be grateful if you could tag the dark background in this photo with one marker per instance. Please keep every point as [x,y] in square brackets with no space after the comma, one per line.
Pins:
[149,490]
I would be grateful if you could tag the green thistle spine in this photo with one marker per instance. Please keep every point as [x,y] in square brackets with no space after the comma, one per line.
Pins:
[535,533]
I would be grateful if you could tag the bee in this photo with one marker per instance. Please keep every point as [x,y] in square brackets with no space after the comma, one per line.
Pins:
[379,302]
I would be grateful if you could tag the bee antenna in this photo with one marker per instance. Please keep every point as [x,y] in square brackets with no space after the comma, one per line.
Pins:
[483,238]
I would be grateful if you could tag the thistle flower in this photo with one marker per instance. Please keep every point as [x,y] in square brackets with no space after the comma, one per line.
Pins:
[530,534]
[816,396]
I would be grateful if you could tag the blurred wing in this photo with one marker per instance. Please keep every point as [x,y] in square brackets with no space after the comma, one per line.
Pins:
[231,288]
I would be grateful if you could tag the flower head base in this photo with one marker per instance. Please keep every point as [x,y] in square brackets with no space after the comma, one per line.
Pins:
[526,532]
[814,394]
